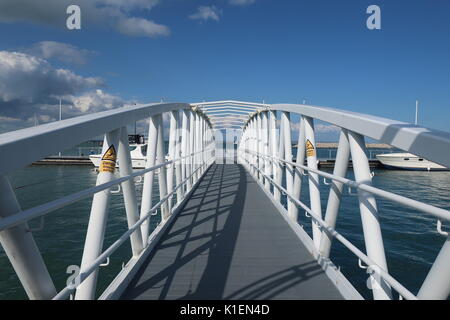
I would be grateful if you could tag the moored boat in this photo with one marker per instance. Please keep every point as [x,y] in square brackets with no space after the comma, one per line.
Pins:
[408,161]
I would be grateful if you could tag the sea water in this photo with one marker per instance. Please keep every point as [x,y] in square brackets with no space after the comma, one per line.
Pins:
[410,237]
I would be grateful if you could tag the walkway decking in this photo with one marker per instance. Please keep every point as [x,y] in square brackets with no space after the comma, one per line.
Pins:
[230,242]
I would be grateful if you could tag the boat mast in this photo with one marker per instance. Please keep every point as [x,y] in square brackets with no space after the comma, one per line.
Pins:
[60,116]
[417,112]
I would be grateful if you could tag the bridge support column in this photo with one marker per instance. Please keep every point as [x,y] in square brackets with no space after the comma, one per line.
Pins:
[147,189]
[171,167]
[334,198]
[260,147]
[178,164]
[273,144]
[437,283]
[369,215]
[286,118]
[99,214]
[129,191]
[21,249]
[279,175]
[313,178]
[185,150]
[265,140]
[162,177]
[300,159]
[191,146]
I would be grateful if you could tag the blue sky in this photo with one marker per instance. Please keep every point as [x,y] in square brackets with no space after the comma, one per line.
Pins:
[277,51]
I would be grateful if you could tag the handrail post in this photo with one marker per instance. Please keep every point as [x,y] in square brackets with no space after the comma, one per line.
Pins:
[171,168]
[21,249]
[185,139]
[191,145]
[265,141]
[196,145]
[251,142]
[99,214]
[129,191]
[437,283]
[178,164]
[273,144]
[313,178]
[369,215]
[279,175]
[162,177]
[285,117]
[334,198]
[300,159]
[147,189]
[259,147]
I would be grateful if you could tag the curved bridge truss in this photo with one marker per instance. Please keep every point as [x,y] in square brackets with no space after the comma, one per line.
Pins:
[264,148]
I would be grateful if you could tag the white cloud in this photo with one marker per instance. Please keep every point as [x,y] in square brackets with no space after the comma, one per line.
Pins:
[31,87]
[241,2]
[131,4]
[95,101]
[141,27]
[205,13]
[27,78]
[108,13]
[63,52]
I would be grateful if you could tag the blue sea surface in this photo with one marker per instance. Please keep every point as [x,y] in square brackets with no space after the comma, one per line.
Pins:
[410,237]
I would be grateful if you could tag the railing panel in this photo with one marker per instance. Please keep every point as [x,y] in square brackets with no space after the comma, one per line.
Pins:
[99,215]
[313,178]
[21,249]
[28,145]
[147,189]
[369,215]
[336,188]
[129,191]
[300,158]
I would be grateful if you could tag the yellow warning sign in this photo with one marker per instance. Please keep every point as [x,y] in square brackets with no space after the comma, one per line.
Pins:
[310,151]
[108,163]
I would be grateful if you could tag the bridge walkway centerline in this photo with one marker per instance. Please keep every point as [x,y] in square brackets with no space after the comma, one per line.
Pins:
[230,242]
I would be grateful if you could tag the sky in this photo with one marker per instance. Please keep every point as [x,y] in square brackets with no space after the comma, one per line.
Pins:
[141,51]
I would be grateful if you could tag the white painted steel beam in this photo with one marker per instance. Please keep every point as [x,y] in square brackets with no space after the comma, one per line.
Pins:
[313,178]
[285,117]
[147,189]
[21,249]
[129,192]
[99,215]
[369,215]
[162,176]
[425,142]
[300,158]
[335,195]
[68,133]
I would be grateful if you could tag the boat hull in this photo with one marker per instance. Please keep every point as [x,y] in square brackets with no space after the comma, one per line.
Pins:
[407,161]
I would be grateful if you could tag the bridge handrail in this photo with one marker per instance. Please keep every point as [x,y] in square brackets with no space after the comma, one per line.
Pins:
[405,293]
[48,207]
[429,143]
[420,206]
[190,152]
[66,291]
[22,147]
[269,140]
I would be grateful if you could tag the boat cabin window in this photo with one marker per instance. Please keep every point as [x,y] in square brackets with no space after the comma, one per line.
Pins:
[406,159]
[144,150]
[132,148]
[420,159]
